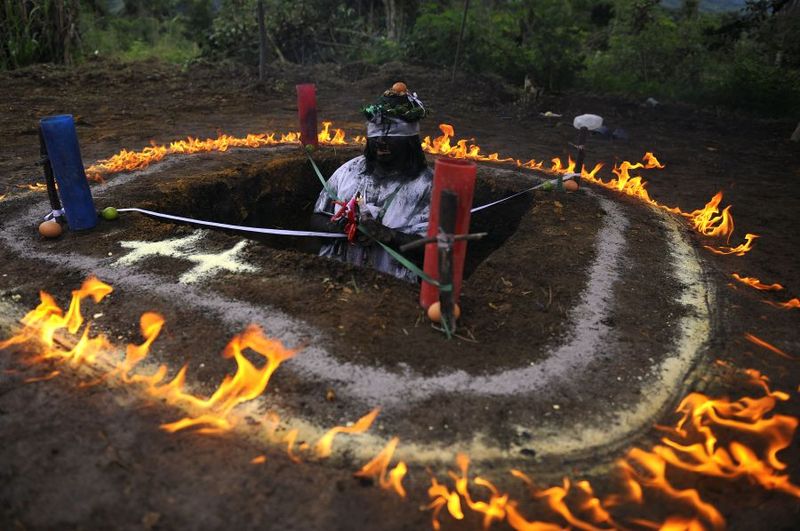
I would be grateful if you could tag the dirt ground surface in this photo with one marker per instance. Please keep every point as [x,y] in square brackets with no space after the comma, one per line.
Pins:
[92,457]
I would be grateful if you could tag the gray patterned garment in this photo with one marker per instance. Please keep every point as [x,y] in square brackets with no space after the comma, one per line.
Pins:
[399,203]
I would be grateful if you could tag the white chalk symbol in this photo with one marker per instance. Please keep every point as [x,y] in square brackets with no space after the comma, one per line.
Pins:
[207,264]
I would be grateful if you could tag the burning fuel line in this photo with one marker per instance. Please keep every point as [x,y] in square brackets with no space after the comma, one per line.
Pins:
[720,439]
[710,221]
[53,330]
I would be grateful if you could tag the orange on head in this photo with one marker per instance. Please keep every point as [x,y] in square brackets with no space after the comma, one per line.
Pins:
[399,88]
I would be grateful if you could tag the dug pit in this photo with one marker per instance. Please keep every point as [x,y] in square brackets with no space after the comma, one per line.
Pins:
[559,304]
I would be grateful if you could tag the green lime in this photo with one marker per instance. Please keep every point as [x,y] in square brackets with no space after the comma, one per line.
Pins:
[109,213]
[547,186]
[310,148]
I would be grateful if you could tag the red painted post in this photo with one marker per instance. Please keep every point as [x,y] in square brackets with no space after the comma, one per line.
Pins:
[307,113]
[458,176]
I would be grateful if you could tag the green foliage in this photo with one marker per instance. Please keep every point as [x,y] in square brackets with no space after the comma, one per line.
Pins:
[748,59]
[38,31]
[303,31]
[537,38]
[137,38]
[490,35]
[684,55]
[748,81]
[649,52]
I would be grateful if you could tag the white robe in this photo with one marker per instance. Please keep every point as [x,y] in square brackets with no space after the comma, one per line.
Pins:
[408,208]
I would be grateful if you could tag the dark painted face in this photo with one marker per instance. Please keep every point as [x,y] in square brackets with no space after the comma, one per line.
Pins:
[391,152]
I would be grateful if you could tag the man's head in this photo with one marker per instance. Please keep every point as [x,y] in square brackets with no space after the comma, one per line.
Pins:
[393,143]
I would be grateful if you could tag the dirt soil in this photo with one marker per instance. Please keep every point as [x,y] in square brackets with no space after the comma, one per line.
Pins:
[77,458]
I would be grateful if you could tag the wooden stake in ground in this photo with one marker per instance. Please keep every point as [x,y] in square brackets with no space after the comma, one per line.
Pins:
[262,42]
[460,39]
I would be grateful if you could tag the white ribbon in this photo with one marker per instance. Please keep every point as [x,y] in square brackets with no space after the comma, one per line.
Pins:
[54,214]
[565,177]
[413,98]
[259,230]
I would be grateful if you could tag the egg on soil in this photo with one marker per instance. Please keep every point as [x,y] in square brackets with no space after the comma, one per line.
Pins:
[50,229]
[435,312]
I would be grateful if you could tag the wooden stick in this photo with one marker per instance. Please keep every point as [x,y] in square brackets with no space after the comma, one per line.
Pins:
[47,168]
[460,39]
[262,42]
[447,225]
[581,153]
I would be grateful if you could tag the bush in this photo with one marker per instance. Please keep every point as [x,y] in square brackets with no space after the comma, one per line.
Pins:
[489,40]
[304,32]
[38,31]
[137,38]
[536,38]
[748,80]
[729,61]
[650,53]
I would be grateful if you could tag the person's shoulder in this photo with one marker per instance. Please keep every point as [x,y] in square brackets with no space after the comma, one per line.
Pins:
[355,164]
[351,168]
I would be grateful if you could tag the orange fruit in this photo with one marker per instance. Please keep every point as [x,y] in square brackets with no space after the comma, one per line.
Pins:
[435,312]
[399,88]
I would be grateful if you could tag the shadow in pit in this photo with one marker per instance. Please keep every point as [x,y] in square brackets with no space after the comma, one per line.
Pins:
[281,193]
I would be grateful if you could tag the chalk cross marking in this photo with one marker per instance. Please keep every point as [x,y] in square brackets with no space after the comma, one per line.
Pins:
[210,264]
[206,266]
[176,248]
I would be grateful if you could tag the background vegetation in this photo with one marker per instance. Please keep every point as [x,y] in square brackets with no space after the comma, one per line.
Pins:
[742,54]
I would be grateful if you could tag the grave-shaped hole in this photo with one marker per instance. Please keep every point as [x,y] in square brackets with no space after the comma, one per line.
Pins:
[281,193]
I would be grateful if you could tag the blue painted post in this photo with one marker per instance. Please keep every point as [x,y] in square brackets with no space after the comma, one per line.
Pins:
[64,153]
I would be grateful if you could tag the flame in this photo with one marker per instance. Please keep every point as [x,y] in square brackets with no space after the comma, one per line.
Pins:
[651,162]
[47,319]
[246,384]
[649,470]
[442,497]
[757,284]
[127,160]
[709,221]
[717,438]
[43,322]
[693,445]
[442,146]
[259,460]
[46,377]
[377,468]
[150,324]
[323,447]
[761,343]
[746,416]
[35,187]
[324,136]
[739,250]
[788,305]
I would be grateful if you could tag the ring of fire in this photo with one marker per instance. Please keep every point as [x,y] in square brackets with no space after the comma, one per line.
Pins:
[552,427]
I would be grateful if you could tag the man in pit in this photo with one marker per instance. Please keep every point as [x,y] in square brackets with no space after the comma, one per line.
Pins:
[387,190]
